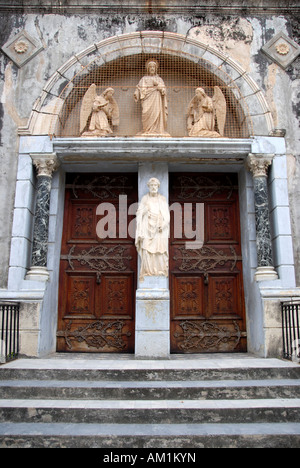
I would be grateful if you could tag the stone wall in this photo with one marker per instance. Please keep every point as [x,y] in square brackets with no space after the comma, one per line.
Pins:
[63,29]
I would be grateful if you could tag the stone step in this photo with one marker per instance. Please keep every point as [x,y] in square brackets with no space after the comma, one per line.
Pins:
[156,390]
[178,436]
[235,368]
[156,411]
[214,401]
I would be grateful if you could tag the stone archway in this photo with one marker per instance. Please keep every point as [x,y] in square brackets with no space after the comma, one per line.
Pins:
[106,153]
[48,107]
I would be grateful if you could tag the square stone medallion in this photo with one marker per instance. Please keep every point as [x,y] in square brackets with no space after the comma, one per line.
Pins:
[282,50]
[22,48]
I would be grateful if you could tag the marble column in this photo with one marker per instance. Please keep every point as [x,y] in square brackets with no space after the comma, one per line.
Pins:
[152,335]
[259,165]
[45,165]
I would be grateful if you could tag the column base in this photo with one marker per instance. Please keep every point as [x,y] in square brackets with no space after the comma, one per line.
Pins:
[266,274]
[38,274]
[152,336]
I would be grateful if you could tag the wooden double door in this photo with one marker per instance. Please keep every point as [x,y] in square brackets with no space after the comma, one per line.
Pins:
[98,274]
[206,281]
[98,265]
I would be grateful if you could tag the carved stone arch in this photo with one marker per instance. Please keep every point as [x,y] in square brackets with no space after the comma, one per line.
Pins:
[47,110]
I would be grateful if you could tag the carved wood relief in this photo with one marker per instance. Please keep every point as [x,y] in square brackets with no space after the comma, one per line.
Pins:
[100,335]
[207,337]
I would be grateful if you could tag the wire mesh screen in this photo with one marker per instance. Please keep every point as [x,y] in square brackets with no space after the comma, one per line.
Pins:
[176,112]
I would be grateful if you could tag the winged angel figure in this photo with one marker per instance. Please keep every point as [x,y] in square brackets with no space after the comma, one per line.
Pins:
[104,112]
[204,112]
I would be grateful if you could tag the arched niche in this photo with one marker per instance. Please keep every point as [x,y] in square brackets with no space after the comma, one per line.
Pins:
[119,62]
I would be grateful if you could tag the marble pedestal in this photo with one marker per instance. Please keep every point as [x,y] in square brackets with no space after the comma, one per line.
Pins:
[152,336]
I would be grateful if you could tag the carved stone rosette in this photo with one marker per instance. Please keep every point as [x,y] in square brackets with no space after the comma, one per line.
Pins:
[45,166]
[259,164]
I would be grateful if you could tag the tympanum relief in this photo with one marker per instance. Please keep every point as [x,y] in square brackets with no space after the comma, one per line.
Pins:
[101,115]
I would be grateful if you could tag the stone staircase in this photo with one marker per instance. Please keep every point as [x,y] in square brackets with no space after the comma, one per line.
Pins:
[212,401]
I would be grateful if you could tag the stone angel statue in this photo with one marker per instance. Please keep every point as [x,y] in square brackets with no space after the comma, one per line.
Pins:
[205,112]
[104,112]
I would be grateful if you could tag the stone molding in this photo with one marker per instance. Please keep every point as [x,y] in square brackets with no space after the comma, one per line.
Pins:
[265,274]
[47,108]
[264,7]
[92,151]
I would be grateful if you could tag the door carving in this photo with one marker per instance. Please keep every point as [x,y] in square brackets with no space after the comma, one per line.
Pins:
[206,282]
[97,275]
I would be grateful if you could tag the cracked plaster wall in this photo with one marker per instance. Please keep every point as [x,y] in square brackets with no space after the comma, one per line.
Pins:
[241,37]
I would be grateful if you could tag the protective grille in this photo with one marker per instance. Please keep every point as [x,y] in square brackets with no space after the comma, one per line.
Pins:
[181,78]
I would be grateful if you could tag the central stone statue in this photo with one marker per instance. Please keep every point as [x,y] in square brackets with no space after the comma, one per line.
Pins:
[152,232]
[152,93]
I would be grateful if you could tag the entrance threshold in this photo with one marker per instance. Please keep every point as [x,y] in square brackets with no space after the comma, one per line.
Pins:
[130,362]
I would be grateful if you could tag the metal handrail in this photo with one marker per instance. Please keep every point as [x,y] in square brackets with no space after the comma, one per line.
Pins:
[291,330]
[9,329]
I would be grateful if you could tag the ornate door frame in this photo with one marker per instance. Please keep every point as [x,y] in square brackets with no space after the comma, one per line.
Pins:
[262,298]
[125,154]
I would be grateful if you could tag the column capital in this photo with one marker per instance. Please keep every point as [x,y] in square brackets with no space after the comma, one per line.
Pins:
[45,163]
[259,164]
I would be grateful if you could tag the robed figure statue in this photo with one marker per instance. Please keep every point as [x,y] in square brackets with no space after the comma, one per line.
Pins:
[152,232]
[152,93]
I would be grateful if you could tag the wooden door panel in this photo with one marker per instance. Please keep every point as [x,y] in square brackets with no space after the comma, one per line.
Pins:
[188,295]
[192,336]
[117,297]
[97,275]
[207,298]
[81,296]
[82,222]
[103,336]
[223,292]
[221,223]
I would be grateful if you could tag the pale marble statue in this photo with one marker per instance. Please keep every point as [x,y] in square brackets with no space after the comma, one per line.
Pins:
[152,232]
[152,93]
[104,110]
[204,112]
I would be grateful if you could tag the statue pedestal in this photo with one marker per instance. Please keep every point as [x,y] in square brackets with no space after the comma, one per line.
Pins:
[152,336]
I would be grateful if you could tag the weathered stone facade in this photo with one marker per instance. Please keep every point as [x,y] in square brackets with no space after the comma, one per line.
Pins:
[60,40]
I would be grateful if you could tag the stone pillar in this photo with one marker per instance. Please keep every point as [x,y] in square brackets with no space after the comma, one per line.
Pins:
[259,164]
[152,336]
[45,165]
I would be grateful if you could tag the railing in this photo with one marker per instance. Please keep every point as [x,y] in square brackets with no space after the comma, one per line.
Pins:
[291,330]
[9,328]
